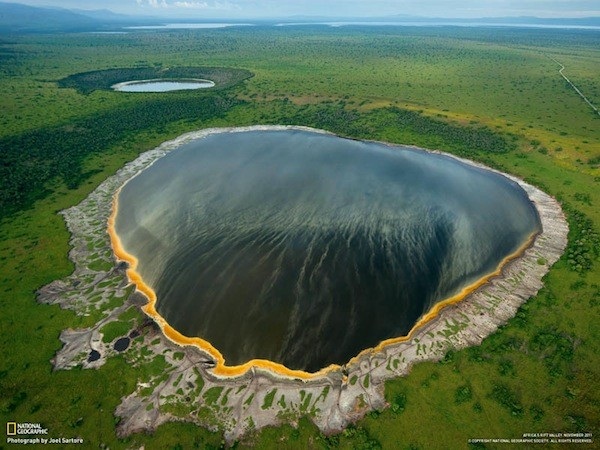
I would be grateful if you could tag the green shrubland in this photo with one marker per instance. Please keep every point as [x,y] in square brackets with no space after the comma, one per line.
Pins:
[493,95]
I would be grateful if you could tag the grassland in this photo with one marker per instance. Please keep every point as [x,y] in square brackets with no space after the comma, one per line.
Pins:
[490,94]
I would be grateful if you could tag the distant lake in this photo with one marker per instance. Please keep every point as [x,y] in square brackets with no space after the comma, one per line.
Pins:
[424,23]
[441,24]
[162,85]
[178,26]
[304,248]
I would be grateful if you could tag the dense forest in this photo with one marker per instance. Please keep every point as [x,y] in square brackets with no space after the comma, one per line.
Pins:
[32,159]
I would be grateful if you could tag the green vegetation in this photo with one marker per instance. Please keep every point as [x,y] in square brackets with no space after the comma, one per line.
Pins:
[462,394]
[399,403]
[212,395]
[59,152]
[113,330]
[491,95]
[268,401]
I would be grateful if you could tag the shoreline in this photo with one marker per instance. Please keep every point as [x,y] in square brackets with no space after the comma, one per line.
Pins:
[260,396]
[223,370]
[175,336]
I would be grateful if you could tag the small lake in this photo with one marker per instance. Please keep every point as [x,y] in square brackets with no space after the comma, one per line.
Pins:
[162,85]
[189,26]
[305,248]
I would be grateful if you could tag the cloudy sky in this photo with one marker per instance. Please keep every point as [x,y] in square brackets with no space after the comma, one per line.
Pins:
[349,8]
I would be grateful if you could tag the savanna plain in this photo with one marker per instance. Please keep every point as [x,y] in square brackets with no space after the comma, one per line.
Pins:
[493,95]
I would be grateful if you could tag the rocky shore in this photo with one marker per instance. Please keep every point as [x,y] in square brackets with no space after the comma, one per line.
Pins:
[187,388]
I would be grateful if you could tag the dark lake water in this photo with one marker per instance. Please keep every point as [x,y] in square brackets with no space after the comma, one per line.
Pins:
[305,248]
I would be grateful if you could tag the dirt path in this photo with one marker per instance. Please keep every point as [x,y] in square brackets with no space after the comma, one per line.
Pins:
[562,67]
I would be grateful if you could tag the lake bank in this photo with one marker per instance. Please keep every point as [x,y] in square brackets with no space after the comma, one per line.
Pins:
[343,395]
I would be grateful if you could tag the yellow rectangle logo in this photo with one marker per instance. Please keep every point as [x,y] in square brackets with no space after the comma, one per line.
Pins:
[11,428]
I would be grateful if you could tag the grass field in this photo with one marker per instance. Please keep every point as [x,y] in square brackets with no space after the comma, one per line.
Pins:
[439,88]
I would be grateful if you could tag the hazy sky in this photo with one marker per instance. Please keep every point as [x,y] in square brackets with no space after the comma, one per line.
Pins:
[365,8]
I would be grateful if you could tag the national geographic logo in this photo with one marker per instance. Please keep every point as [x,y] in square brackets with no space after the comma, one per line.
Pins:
[25,429]
[27,433]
